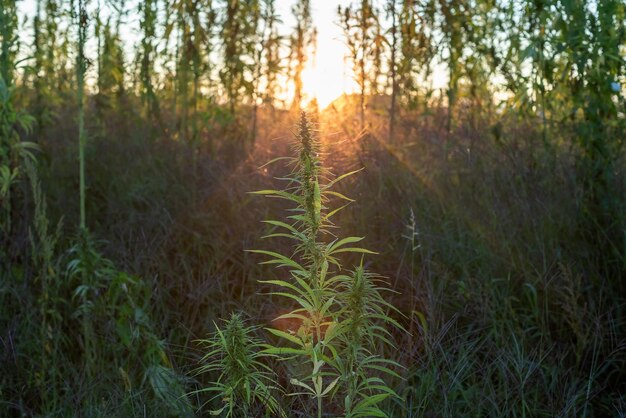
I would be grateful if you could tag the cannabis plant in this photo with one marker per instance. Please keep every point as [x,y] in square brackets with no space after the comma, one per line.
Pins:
[339,317]
[365,42]
[82,21]
[13,151]
[245,382]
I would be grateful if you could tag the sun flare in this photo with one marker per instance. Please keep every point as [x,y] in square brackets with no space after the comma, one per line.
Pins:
[326,76]
[321,79]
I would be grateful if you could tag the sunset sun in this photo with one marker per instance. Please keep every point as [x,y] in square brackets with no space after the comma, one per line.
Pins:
[326,74]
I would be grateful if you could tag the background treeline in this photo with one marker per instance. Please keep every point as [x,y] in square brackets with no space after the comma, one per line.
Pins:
[130,133]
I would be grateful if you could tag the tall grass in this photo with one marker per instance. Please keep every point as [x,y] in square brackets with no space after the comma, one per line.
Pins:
[497,298]
[499,308]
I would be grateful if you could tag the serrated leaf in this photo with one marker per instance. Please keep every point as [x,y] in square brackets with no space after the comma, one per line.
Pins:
[284,335]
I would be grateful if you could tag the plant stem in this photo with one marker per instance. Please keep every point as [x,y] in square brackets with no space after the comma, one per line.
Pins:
[80,75]
[319,407]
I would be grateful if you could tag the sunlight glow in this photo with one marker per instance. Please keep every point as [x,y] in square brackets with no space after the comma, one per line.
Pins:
[326,76]
[323,82]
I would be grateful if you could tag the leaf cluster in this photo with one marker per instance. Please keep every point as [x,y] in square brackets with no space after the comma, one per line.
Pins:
[341,317]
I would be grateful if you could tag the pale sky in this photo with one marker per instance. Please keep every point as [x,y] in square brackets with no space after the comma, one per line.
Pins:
[326,76]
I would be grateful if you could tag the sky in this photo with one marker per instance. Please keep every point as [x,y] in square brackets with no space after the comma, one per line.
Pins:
[326,76]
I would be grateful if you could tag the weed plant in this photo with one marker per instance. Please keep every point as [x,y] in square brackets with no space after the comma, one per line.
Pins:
[339,319]
[245,385]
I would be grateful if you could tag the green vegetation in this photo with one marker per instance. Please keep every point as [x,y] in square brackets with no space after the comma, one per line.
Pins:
[338,319]
[245,384]
[484,148]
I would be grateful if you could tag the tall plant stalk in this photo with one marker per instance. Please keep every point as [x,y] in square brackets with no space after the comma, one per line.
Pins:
[81,63]
[7,113]
[362,33]
[393,66]
[301,41]
[333,330]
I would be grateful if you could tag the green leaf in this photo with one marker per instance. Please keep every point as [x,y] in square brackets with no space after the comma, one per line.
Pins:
[272,161]
[278,259]
[354,250]
[333,212]
[317,201]
[296,382]
[305,304]
[217,412]
[349,240]
[281,235]
[339,195]
[279,193]
[343,176]
[372,400]
[284,225]
[285,335]
[283,350]
[330,387]
[288,285]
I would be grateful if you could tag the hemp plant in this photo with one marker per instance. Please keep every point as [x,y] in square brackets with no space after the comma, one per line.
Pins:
[340,318]
[14,152]
[244,383]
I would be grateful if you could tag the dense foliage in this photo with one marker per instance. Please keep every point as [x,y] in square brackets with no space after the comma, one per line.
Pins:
[131,135]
